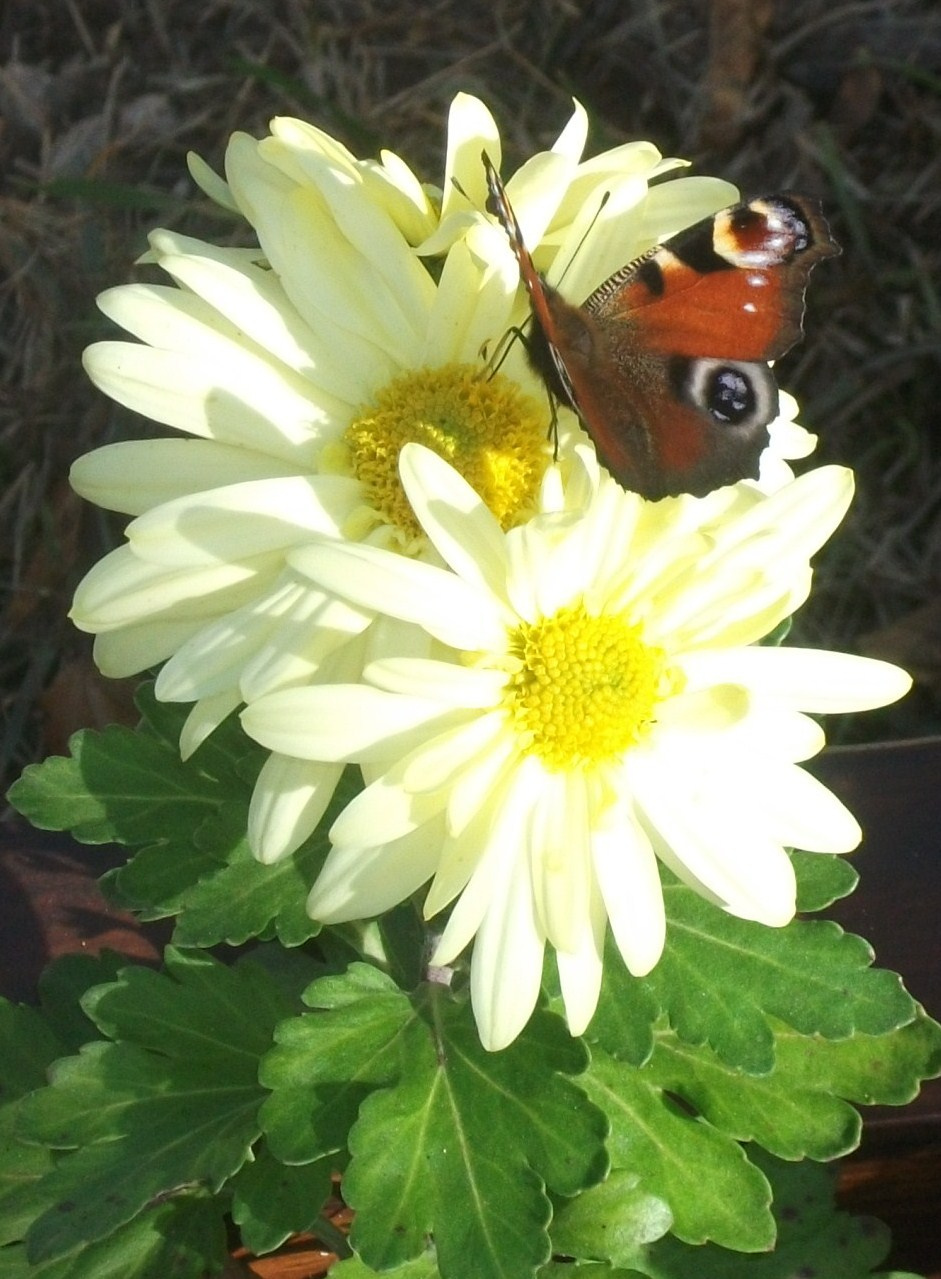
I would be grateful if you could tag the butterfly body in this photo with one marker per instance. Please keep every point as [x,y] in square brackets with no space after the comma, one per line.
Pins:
[666,362]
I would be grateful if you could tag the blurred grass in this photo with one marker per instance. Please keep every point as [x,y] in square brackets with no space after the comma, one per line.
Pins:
[101,99]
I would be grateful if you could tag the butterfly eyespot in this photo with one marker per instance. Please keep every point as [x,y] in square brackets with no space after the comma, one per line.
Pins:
[733,394]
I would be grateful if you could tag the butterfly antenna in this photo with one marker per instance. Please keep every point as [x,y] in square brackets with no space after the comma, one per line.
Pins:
[606,196]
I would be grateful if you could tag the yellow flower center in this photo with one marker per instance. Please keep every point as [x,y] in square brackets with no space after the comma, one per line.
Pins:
[488,429]
[586,687]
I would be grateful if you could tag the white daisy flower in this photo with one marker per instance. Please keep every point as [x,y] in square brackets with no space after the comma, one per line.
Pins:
[298,370]
[595,700]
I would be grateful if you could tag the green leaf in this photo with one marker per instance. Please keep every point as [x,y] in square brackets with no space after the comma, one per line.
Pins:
[118,786]
[884,1070]
[423,1267]
[721,978]
[62,985]
[610,1221]
[791,1118]
[822,879]
[245,899]
[700,1173]
[463,1146]
[813,1239]
[272,1201]
[326,1063]
[184,1238]
[174,1105]
[28,1046]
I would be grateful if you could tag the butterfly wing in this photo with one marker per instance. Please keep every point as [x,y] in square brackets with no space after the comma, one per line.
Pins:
[685,397]
[665,362]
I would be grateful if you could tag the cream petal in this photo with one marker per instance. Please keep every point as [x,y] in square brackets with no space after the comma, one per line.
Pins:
[460,855]
[581,969]
[255,302]
[812,680]
[733,857]
[559,847]
[391,267]
[299,235]
[181,321]
[386,807]
[288,801]
[535,191]
[459,686]
[243,520]
[501,846]
[571,141]
[393,186]
[205,718]
[691,720]
[363,882]
[629,883]
[506,967]
[212,661]
[133,649]
[473,787]
[443,761]
[318,637]
[122,589]
[136,475]
[209,182]
[223,401]
[473,303]
[471,129]
[466,534]
[803,813]
[341,723]
[454,611]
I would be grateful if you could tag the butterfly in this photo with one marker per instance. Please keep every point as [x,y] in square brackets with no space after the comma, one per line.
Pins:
[665,363]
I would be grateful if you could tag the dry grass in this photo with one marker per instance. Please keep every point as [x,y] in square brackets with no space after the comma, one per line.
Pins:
[101,99]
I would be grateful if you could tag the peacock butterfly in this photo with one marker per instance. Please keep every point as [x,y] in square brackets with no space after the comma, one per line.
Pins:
[665,363]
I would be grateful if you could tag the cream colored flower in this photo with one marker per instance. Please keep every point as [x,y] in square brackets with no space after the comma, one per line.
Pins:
[298,369]
[595,700]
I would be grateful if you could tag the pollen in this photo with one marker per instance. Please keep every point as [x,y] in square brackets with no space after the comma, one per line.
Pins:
[487,428]
[586,688]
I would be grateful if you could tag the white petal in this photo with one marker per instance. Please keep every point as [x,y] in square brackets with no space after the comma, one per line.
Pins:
[581,970]
[205,718]
[384,811]
[243,520]
[133,649]
[471,129]
[363,882]
[561,872]
[254,300]
[442,761]
[732,857]
[813,680]
[460,856]
[452,610]
[289,629]
[135,475]
[502,843]
[341,723]
[463,530]
[803,813]
[474,688]
[289,799]
[226,400]
[506,967]
[629,882]
[122,589]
